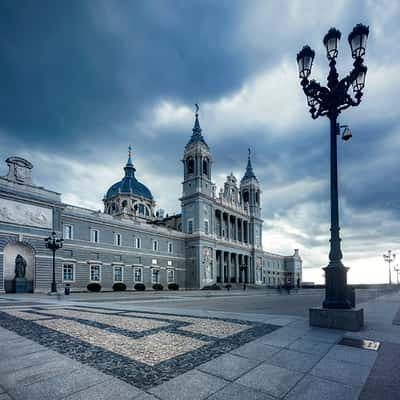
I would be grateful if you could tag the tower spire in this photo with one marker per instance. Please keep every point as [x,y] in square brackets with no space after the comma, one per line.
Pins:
[196,135]
[129,168]
[249,169]
[129,155]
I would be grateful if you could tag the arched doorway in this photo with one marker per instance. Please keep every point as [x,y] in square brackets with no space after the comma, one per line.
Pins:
[11,251]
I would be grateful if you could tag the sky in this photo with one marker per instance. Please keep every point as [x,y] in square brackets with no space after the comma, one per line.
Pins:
[82,79]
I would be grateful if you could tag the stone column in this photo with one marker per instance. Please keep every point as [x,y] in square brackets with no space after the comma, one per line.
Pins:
[228,219]
[241,230]
[228,266]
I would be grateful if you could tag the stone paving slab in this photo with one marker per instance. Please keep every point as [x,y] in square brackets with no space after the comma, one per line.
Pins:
[111,389]
[145,396]
[27,360]
[194,385]
[255,351]
[228,366]
[35,373]
[239,392]
[353,355]
[324,335]
[341,371]
[59,386]
[293,360]
[384,379]
[314,388]
[274,381]
[310,346]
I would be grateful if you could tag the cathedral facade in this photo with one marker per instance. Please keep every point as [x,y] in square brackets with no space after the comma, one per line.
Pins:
[217,238]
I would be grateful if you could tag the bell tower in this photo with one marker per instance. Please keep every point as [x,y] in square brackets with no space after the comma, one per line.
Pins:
[197,187]
[197,163]
[197,205]
[250,196]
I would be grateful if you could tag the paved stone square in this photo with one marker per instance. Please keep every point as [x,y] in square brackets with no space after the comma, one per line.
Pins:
[143,349]
[75,349]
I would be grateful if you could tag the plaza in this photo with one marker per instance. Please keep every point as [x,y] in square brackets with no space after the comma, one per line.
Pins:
[193,345]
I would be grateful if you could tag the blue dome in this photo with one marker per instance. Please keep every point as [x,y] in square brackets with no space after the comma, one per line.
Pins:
[129,184]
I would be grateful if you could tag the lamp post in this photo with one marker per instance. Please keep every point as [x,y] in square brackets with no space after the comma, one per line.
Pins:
[54,244]
[389,258]
[397,269]
[329,101]
[243,269]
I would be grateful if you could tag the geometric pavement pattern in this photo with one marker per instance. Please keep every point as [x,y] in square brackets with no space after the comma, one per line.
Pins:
[144,349]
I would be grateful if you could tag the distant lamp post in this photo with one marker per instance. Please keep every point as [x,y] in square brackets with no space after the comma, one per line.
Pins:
[389,258]
[329,101]
[397,269]
[54,244]
[243,268]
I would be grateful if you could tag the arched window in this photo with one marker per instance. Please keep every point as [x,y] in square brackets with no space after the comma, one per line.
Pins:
[124,204]
[147,212]
[113,207]
[205,166]
[141,209]
[257,197]
[246,196]
[190,165]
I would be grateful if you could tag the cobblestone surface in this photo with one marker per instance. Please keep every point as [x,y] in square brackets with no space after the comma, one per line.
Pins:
[143,349]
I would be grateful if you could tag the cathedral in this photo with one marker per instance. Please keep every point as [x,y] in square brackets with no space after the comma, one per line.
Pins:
[216,239]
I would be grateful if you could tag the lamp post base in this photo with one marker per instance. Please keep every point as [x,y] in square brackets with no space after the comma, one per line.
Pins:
[336,289]
[348,320]
[53,287]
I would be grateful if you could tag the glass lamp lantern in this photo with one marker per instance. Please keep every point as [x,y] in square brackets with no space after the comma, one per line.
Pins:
[358,40]
[359,82]
[331,42]
[311,101]
[305,59]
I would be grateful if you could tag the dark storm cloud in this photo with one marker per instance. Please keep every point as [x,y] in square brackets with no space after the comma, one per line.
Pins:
[80,80]
[71,69]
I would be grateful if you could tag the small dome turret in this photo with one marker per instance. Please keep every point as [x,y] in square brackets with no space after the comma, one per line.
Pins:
[129,196]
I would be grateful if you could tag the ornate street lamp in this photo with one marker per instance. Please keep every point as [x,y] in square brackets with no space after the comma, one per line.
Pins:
[54,244]
[389,258]
[329,101]
[397,269]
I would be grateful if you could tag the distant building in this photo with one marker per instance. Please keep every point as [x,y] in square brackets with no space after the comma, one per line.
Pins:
[216,239]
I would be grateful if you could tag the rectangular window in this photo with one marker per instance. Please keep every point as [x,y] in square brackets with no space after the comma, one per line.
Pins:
[155,245]
[117,239]
[118,274]
[170,276]
[94,235]
[154,261]
[138,243]
[169,262]
[68,232]
[206,226]
[155,276]
[95,273]
[190,226]
[138,274]
[170,248]
[68,272]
